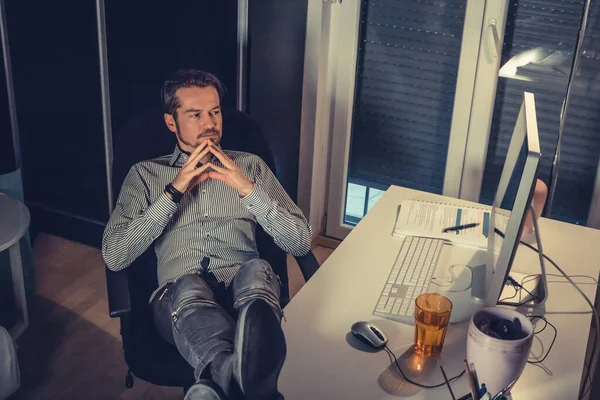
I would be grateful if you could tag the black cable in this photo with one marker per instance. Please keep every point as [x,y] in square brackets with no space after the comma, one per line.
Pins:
[522,303]
[529,293]
[526,301]
[511,297]
[545,325]
[589,367]
[585,362]
[517,290]
[532,318]
[587,374]
[589,364]
[392,355]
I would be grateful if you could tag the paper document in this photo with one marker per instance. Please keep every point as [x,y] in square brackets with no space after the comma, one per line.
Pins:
[424,218]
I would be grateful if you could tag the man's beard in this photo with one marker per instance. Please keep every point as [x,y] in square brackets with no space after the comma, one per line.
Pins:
[211,133]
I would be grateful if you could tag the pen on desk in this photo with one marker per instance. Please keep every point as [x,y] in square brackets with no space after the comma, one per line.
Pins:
[472,385]
[447,383]
[460,227]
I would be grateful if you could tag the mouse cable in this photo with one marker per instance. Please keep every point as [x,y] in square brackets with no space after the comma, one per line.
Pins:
[392,355]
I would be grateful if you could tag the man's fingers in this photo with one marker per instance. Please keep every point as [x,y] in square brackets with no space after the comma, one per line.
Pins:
[222,170]
[198,149]
[227,162]
[218,175]
[200,178]
[201,169]
[193,161]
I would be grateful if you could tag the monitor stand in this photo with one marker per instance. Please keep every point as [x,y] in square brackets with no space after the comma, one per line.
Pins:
[537,285]
[514,296]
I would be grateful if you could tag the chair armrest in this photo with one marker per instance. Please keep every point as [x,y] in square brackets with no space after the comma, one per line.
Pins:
[308,265]
[117,286]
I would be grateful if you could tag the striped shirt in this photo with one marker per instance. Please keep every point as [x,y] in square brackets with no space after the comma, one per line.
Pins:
[210,221]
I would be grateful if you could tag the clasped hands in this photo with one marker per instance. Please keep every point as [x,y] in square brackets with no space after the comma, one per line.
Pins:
[191,173]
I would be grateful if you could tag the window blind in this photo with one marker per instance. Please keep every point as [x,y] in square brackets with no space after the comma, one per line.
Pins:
[551,26]
[406,79]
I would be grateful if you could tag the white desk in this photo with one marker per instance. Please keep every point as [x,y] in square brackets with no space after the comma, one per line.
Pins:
[322,365]
[14,221]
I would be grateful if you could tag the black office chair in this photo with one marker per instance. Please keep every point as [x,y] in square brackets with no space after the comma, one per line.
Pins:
[148,356]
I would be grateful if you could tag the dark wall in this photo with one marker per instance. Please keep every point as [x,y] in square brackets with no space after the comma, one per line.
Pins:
[7,156]
[7,164]
[277,30]
[54,54]
[148,41]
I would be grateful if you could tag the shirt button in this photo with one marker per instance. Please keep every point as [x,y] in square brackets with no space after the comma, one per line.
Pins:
[205,215]
[204,191]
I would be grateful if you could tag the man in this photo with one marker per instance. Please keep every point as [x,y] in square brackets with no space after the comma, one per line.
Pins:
[199,206]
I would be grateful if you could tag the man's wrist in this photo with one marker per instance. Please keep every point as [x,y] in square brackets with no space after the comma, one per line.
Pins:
[173,193]
[246,192]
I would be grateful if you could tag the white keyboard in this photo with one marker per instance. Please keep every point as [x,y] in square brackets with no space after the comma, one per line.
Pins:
[410,276]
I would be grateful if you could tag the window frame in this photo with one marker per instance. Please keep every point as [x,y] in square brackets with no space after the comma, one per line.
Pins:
[328,103]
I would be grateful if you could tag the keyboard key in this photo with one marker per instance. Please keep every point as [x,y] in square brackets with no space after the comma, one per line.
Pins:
[386,290]
[404,308]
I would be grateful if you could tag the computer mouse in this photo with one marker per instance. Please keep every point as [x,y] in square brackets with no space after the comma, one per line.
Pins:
[369,334]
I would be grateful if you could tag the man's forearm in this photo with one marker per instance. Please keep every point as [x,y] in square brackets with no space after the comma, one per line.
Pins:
[284,222]
[126,238]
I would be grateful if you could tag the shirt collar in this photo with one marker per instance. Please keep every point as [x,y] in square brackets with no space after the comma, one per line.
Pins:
[178,157]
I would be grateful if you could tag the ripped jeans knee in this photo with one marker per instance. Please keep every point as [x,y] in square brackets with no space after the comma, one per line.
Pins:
[256,279]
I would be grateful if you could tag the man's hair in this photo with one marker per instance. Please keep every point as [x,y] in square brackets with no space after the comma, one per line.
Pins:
[186,78]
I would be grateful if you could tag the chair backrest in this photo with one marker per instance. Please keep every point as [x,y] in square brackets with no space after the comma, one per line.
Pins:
[146,136]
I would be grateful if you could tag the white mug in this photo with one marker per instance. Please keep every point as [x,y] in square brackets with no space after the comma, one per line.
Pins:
[498,362]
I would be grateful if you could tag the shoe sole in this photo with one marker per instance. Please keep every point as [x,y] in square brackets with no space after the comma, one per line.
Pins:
[259,367]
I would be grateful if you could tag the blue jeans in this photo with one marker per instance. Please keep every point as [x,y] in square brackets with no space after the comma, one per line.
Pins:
[197,314]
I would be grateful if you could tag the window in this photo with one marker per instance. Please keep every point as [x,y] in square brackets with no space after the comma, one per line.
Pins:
[425,95]
[406,75]
[537,56]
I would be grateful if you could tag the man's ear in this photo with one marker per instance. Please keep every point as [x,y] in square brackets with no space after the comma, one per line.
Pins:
[170,121]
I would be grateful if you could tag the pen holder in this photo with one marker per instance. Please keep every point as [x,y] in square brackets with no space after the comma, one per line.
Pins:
[498,345]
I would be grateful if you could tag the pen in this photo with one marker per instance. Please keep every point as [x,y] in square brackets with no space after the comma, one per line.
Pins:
[460,227]
[472,385]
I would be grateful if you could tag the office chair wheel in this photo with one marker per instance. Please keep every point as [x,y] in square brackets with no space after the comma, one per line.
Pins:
[129,379]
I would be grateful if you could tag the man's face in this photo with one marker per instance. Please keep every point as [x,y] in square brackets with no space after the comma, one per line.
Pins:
[197,118]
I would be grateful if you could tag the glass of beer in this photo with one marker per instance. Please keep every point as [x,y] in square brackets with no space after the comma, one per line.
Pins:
[432,313]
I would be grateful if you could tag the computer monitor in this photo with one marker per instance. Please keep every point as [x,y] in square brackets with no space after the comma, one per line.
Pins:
[513,198]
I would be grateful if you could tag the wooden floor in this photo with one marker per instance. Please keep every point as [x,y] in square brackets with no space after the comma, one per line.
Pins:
[72,348]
